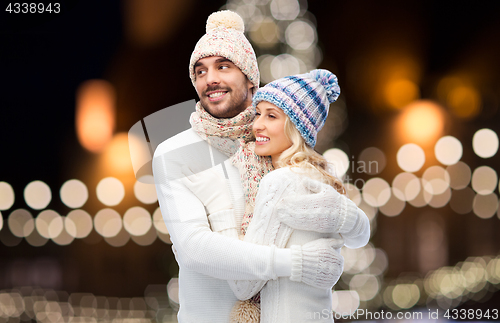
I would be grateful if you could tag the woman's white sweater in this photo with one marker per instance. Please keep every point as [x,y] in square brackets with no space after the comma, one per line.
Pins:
[284,195]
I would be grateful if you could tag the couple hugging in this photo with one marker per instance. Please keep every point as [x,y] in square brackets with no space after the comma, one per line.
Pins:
[258,236]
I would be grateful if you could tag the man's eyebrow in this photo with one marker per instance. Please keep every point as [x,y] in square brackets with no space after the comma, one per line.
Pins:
[198,63]
[222,60]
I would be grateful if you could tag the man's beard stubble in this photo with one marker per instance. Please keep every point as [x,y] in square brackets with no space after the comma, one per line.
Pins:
[233,107]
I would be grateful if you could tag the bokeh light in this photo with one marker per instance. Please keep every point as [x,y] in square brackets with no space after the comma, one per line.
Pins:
[353,193]
[158,222]
[461,97]
[410,158]
[439,200]
[146,239]
[406,186]
[35,239]
[422,197]
[371,161]
[399,92]
[485,206]
[285,9]
[49,224]
[64,238]
[485,143]
[110,191]
[286,64]
[144,192]
[462,200]
[370,211]
[265,33]
[6,196]
[21,223]
[37,195]
[95,114]
[405,295]
[338,159]
[117,155]
[74,193]
[460,175]
[300,35]
[137,221]
[107,222]
[367,286]
[448,150]
[78,224]
[421,122]
[345,302]
[264,62]
[484,180]
[393,207]
[376,192]
[119,239]
[435,180]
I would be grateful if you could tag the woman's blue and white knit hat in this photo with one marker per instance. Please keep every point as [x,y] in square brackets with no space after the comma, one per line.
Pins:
[305,99]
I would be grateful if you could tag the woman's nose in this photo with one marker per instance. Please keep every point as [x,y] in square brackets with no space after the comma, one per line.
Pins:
[258,125]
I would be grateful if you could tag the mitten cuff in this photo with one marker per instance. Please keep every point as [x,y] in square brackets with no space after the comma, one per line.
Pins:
[296,263]
[351,217]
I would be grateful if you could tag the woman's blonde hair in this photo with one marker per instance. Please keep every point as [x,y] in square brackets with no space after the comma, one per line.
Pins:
[302,155]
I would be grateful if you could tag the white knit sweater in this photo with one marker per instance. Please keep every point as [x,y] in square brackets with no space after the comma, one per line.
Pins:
[207,259]
[287,193]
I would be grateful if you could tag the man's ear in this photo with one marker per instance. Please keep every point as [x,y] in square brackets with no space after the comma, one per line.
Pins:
[250,86]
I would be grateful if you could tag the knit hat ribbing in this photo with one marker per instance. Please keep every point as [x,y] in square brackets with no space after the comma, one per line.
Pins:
[224,37]
[305,99]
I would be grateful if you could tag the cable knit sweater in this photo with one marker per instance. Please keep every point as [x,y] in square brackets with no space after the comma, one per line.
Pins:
[283,196]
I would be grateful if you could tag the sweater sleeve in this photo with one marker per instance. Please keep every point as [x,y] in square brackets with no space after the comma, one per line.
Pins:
[198,248]
[319,207]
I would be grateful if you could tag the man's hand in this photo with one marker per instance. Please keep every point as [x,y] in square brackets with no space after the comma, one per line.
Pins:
[210,188]
[318,263]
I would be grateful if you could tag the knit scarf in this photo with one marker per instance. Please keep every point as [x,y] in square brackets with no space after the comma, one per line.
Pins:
[234,138]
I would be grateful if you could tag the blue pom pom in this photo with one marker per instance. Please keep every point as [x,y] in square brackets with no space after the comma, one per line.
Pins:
[329,82]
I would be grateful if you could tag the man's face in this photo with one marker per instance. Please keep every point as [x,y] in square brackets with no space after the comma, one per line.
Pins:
[223,89]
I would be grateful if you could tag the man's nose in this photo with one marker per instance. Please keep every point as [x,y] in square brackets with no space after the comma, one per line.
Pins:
[212,77]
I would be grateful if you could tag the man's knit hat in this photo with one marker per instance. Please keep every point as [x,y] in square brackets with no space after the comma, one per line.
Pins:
[225,38]
[305,99]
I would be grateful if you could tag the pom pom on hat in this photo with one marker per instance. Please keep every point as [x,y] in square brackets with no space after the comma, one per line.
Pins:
[225,19]
[224,37]
[329,82]
[305,99]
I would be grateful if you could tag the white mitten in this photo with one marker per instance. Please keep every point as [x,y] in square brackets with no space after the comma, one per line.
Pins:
[318,263]
[322,210]
[210,188]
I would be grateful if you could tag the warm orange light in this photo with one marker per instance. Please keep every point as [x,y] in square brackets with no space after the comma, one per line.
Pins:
[400,92]
[95,114]
[117,155]
[461,97]
[464,102]
[421,122]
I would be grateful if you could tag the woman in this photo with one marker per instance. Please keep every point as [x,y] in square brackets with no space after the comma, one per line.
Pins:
[300,201]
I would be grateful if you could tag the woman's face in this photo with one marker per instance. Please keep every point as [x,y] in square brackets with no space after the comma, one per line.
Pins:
[269,130]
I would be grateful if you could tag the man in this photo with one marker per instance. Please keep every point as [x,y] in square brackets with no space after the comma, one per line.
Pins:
[224,71]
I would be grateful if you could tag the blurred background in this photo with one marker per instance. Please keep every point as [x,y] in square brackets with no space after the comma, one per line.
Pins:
[414,136]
